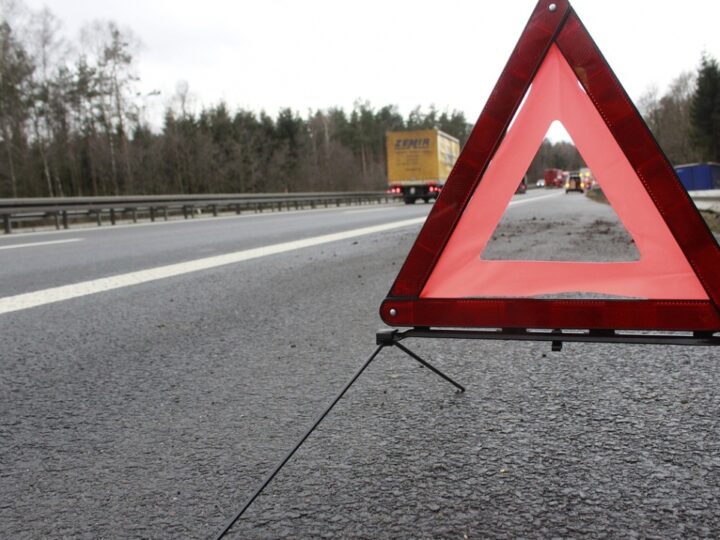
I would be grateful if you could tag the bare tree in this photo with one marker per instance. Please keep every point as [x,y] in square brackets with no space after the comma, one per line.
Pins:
[668,117]
[48,50]
[15,75]
[110,52]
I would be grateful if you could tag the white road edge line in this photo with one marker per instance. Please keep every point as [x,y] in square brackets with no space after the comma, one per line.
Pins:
[66,292]
[34,244]
[29,300]
[533,199]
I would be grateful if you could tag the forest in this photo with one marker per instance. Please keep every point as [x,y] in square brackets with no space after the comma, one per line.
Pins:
[72,123]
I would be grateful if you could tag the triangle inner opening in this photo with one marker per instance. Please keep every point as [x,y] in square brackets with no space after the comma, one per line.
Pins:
[559,212]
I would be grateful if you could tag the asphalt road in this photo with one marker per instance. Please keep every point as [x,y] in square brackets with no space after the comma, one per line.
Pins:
[153,410]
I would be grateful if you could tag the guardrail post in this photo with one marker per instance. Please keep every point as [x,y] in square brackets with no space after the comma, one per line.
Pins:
[214,210]
[165,213]
[98,217]
[112,216]
[133,213]
[56,217]
[7,224]
[185,210]
[152,214]
[237,209]
[66,225]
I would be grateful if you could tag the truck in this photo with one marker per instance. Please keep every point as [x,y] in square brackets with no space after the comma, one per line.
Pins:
[699,176]
[555,178]
[419,162]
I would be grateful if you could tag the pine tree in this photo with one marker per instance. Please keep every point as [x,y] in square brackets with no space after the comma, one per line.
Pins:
[705,110]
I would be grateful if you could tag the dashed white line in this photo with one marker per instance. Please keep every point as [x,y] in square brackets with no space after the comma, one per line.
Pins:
[35,244]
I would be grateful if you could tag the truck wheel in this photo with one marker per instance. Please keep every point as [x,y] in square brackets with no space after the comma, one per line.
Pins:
[426,199]
[408,200]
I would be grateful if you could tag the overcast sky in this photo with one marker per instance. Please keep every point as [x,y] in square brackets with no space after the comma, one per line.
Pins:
[268,54]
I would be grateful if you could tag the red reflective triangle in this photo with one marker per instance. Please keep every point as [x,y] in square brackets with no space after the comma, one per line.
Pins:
[445,283]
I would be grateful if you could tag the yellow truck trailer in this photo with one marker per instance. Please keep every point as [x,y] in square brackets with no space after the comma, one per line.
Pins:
[419,162]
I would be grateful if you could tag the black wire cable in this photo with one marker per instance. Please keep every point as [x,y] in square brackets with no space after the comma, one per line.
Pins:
[267,480]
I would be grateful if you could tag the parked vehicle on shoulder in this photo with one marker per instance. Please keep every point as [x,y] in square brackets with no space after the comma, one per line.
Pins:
[698,176]
[574,183]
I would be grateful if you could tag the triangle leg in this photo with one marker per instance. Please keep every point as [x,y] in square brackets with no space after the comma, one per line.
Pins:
[432,368]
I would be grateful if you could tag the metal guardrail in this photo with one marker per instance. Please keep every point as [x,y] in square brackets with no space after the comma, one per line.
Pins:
[64,209]
[707,199]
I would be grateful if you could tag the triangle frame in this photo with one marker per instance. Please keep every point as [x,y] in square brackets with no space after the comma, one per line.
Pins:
[555,23]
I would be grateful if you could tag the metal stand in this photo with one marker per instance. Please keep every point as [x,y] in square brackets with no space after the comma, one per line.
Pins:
[557,337]
[384,339]
[390,337]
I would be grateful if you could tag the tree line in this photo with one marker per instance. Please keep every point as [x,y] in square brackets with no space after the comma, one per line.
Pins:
[72,123]
[686,118]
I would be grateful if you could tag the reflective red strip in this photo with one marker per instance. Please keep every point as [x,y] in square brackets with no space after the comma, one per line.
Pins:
[565,314]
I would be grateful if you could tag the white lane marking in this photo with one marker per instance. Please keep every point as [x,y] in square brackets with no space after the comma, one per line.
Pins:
[368,210]
[533,199]
[50,242]
[67,292]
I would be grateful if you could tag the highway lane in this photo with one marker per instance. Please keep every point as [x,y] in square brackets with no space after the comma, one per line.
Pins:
[106,251]
[154,410]
[53,259]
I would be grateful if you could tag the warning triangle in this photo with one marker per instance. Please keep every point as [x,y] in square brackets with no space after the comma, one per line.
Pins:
[661,272]
[556,72]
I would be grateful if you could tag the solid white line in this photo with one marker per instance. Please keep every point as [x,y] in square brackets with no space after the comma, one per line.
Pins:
[67,292]
[16,246]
